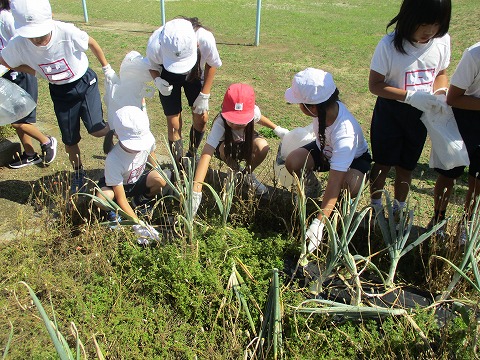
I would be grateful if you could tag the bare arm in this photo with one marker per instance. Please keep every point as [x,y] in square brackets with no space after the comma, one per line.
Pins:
[378,86]
[202,167]
[264,121]
[332,191]
[441,82]
[209,74]
[154,74]
[22,68]
[456,97]
[97,51]
[121,200]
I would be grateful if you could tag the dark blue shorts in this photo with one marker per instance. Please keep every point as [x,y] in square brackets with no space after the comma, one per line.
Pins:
[78,100]
[172,104]
[28,83]
[362,163]
[397,134]
[131,190]
[468,122]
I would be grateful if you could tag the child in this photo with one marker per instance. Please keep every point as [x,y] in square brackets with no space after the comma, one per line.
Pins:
[407,69]
[125,167]
[183,54]
[464,97]
[25,128]
[233,138]
[56,51]
[340,146]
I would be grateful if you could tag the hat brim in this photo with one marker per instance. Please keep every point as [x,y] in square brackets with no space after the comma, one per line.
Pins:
[291,98]
[238,118]
[183,66]
[144,143]
[35,30]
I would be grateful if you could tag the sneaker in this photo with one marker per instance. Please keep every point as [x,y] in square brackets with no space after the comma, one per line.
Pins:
[114,218]
[24,160]
[49,151]
[259,188]
[77,181]
[440,233]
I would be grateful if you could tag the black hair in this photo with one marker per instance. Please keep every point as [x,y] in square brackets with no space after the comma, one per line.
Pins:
[322,116]
[108,141]
[243,152]
[4,4]
[414,13]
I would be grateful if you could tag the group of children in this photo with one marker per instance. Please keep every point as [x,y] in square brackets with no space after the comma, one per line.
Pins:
[407,74]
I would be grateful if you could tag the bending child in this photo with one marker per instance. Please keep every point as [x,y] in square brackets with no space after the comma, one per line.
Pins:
[56,51]
[339,148]
[233,138]
[25,128]
[183,53]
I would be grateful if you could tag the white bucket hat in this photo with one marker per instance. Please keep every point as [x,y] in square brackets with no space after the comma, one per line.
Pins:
[132,127]
[310,86]
[33,18]
[178,44]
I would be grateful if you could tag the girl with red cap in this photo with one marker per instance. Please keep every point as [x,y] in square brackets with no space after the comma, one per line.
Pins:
[233,138]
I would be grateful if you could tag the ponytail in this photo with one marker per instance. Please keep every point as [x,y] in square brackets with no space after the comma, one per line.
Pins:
[322,116]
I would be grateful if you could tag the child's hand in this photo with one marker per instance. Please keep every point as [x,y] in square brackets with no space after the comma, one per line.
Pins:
[423,101]
[163,86]
[201,103]
[196,200]
[110,74]
[280,131]
[314,234]
[145,233]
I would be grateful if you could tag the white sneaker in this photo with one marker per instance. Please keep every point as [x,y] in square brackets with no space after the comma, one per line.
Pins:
[259,188]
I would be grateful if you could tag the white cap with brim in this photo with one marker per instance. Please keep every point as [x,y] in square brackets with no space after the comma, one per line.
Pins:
[132,127]
[310,86]
[33,18]
[178,44]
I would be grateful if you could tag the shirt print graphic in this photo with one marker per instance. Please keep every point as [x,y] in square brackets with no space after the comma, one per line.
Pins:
[135,174]
[57,71]
[419,80]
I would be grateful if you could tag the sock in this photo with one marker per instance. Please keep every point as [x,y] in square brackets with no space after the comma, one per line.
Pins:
[398,205]
[195,139]
[376,202]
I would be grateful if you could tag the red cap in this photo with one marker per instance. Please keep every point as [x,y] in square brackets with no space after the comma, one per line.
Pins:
[238,105]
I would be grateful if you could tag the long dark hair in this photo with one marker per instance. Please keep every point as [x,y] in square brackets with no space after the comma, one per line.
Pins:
[236,152]
[322,116]
[4,4]
[196,72]
[414,13]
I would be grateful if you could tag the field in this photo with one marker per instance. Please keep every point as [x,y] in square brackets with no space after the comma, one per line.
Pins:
[171,300]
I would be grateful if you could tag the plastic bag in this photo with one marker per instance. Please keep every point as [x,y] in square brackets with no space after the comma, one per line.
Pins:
[448,149]
[15,103]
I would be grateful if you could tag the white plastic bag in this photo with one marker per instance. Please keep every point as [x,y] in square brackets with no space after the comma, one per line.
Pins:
[294,139]
[15,103]
[448,149]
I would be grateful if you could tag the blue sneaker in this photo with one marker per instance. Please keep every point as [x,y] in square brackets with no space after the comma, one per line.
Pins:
[114,218]
[77,181]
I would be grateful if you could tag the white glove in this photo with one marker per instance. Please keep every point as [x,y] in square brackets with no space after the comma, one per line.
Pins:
[110,74]
[423,101]
[196,200]
[145,233]
[201,103]
[314,234]
[163,86]
[280,131]
[442,98]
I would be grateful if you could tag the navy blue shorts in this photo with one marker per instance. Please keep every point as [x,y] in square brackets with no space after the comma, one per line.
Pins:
[78,100]
[362,163]
[28,83]
[468,122]
[131,190]
[397,134]
[172,104]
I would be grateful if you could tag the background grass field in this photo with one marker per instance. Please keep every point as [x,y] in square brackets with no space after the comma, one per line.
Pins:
[161,302]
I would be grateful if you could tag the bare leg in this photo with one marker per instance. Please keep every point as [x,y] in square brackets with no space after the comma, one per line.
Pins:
[73,152]
[260,151]
[26,132]
[472,194]
[378,177]
[403,179]
[441,193]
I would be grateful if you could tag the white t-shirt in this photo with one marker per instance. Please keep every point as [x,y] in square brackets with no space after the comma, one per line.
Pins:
[344,140]
[125,168]
[217,133]
[467,74]
[417,69]
[206,43]
[7,31]
[61,61]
